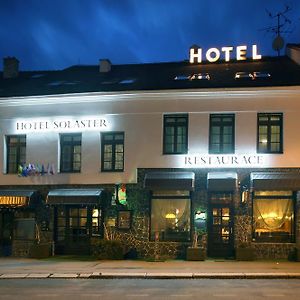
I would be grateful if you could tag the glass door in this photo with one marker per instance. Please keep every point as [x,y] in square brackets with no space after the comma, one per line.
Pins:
[220,226]
[74,227]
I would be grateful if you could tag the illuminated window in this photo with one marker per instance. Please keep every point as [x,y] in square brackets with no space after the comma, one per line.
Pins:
[127,81]
[269,139]
[175,134]
[182,77]
[170,218]
[261,75]
[112,151]
[16,152]
[200,76]
[70,152]
[273,217]
[243,76]
[221,136]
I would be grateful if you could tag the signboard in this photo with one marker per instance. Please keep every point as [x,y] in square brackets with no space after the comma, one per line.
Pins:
[61,124]
[224,161]
[214,54]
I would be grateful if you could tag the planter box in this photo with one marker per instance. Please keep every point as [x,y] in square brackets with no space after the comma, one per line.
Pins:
[40,251]
[195,253]
[298,254]
[244,254]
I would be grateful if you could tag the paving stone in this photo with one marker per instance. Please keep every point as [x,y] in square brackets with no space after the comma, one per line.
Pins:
[168,275]
[85,275]
[38,275]
[6,276]
[124,274]
[64,275]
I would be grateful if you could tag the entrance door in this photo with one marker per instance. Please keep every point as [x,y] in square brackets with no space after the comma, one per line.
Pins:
[220,225]
[6,233]
[74,227]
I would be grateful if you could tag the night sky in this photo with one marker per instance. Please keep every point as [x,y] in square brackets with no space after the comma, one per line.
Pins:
[54,34]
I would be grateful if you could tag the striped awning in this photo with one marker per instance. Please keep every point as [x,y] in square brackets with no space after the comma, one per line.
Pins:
[16,198]
[170,181]
[75,197]
[272,181]
[222,181]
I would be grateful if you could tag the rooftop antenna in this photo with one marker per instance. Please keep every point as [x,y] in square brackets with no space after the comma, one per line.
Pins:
[278,29]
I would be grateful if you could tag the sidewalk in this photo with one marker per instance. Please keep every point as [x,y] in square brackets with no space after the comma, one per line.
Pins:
[17,268]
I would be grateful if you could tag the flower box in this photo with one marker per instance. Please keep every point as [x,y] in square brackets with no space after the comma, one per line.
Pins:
[195,253]
[244,254]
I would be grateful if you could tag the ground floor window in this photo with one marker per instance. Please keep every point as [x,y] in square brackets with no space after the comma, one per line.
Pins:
[273,216]
[74,222]
[170,216]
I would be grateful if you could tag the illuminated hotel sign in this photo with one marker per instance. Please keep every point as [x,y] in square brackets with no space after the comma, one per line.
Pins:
[214,54]
[60,125]
[224,161]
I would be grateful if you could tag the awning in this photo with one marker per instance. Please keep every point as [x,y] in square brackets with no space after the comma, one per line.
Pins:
[222,181]
[271,181]
[170,181]
[74,196]
[16,198]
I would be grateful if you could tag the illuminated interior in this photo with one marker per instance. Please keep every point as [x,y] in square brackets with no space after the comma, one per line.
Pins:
[273,217]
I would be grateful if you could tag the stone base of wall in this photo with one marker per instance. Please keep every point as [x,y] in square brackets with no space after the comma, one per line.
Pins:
[21,248]
[273,250]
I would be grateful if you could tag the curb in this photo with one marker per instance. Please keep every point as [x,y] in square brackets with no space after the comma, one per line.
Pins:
[106,275]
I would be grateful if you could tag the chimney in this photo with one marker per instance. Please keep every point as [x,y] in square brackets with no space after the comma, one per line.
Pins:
[293,52]
[104,65]
[10,67]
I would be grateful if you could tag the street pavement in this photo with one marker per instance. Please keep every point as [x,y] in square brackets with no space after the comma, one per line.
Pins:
[57,267]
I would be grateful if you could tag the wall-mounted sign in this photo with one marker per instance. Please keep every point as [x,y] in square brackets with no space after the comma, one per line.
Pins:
[214,54]
[224,161]
[61,125]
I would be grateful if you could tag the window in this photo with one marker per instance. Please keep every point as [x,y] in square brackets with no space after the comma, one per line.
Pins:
[175,134]
[269,138]
[16,152]
[73,222]
[70,157]
[112,149]
[221,137]
[273,216]
[170,217]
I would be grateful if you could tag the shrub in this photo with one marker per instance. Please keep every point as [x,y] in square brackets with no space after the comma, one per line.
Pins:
[108,249]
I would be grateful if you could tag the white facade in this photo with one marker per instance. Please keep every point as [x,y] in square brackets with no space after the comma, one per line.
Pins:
[140,116]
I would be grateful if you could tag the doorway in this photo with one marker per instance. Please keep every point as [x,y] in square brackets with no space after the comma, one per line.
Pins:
[220,225]
[73,228]
[6,232]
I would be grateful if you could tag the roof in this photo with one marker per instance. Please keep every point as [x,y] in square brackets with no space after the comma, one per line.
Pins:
[157,76]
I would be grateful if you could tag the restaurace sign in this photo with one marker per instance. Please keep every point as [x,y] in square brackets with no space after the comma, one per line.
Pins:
[214,54]
[223,161]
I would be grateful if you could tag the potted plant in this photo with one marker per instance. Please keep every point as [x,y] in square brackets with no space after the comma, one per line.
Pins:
[195,252]
[244,252]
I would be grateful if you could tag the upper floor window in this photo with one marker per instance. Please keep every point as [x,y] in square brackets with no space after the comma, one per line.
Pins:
[175,134]
[269,139]
[16,152]
[112,149]
[70,152]
[221,137]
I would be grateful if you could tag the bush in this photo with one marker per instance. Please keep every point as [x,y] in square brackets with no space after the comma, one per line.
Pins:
[107,249]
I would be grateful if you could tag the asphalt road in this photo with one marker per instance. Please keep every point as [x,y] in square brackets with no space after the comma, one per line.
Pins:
[149,289]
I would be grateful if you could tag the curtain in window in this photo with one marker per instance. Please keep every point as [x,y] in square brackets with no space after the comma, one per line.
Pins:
[170,216]
[273,214]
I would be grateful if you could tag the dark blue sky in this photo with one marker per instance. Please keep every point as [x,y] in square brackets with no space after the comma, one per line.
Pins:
[54,34]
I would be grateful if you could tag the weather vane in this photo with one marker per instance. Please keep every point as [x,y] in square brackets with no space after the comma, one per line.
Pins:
[279,28]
